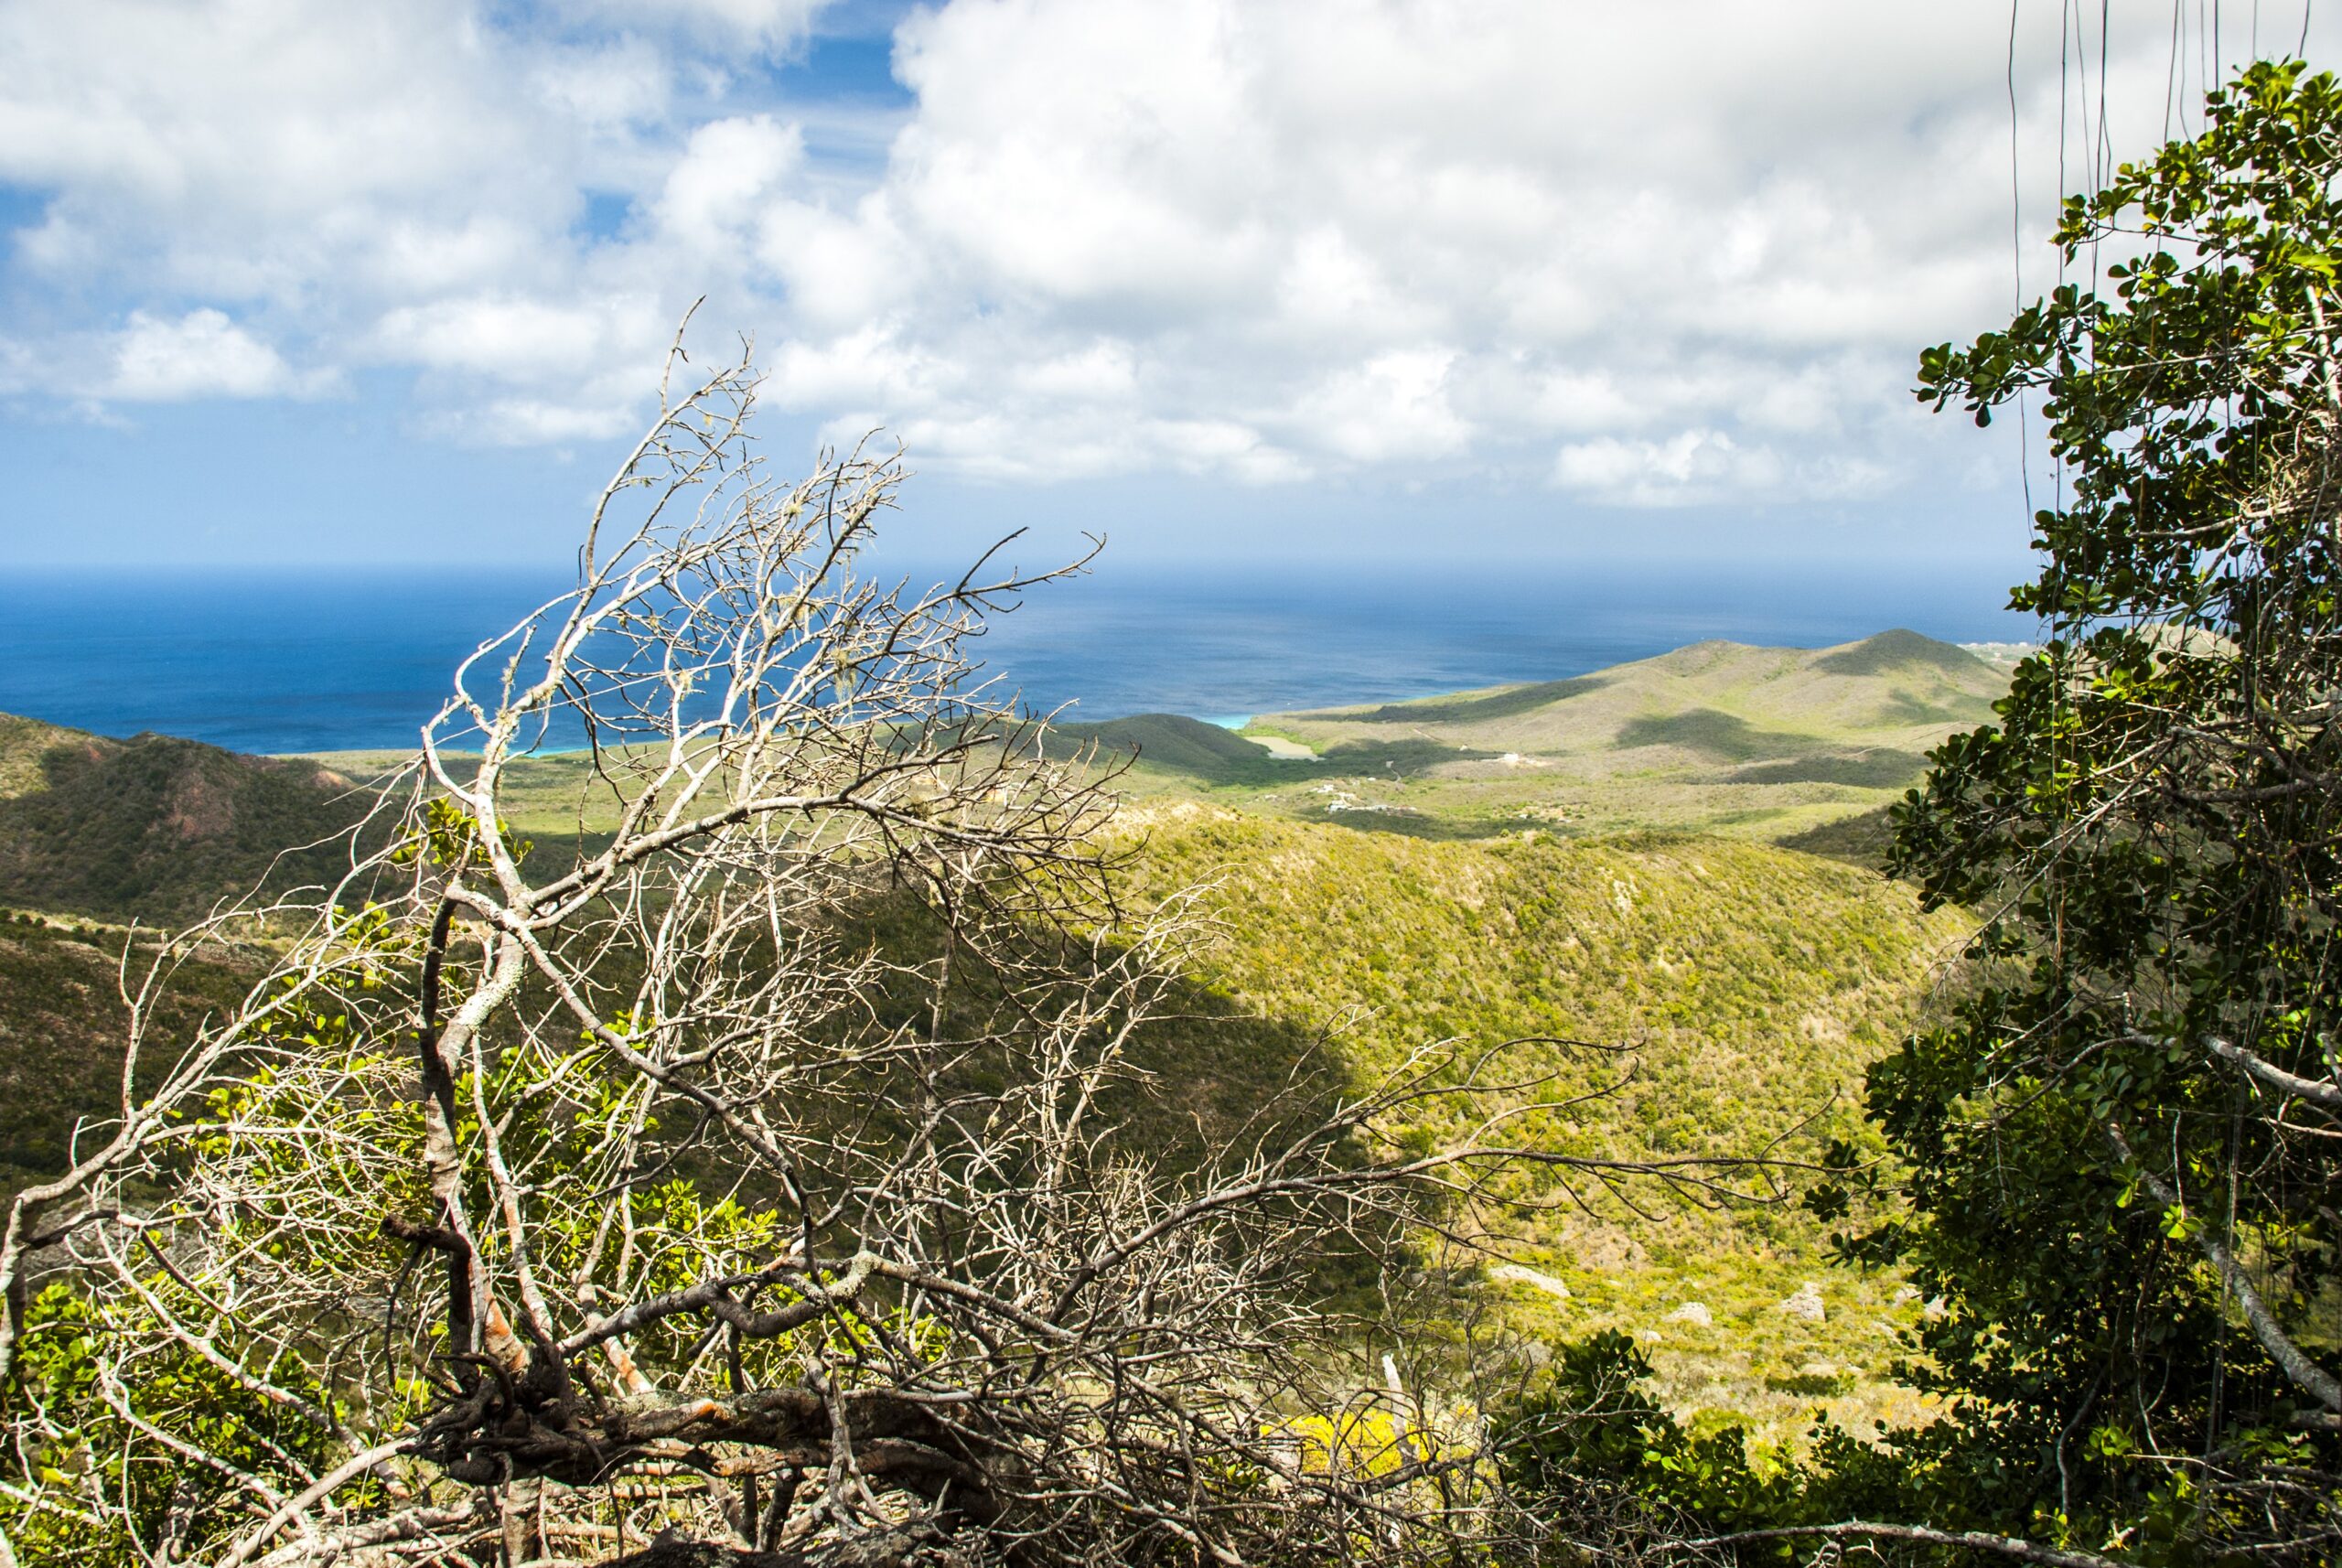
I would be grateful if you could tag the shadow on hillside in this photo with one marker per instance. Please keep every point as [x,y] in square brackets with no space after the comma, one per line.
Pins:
[1899,649]
[1879,769]
[1465,710]
[1715,735]
[1217,1077]
[1204,1083]
[1861,840]
[1394,758]
[1206,1072]
[1183,747]
[1425,825]
[1906,709]
[1208,1078]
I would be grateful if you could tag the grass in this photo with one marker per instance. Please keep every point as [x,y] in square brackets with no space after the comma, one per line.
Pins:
[1710,734]
[1172,748]
[1882,768]
[1750,1362]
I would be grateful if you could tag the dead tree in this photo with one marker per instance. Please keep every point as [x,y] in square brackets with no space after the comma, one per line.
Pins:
[739,1166]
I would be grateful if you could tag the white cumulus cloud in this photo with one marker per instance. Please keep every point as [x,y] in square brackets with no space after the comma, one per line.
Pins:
[1680,251]
[765,23]
[1692,466]
[201,354]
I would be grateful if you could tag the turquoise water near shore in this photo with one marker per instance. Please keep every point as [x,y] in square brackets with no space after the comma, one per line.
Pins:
[287,660]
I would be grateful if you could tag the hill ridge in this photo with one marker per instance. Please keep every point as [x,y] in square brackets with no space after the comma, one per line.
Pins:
[1894,681]
[1749,739]
[159,827]
[1746,739]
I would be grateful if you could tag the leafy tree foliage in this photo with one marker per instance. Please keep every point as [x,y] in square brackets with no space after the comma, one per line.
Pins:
[1595,1441]
[2118,1151]
[2122,1144]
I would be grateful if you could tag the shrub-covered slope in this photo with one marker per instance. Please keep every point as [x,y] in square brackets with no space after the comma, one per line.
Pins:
[62,1020]
[1745,986]
[156,828]
[1749,986]
[1174,747]
[1749,983]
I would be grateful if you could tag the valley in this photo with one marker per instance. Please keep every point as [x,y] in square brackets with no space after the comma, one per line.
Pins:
[1620,859]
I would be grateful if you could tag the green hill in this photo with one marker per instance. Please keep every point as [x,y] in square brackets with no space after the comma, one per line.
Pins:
[1763,743]
[1744,986]
[61,1022]
[1752,982]
[1710,703]
[160,829]
[1766,743]
[1747,985]
[1173,749]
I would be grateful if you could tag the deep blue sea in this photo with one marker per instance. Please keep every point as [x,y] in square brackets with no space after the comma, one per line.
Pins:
[271,661]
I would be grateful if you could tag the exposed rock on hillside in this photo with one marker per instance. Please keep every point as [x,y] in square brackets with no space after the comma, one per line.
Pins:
[1806,1304]
[156,828]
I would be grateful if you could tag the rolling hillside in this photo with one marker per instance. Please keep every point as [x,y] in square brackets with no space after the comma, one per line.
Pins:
[1709,705]
[1774,744]
[61,1022]
[155,828]
[1744,988]
[1763,743]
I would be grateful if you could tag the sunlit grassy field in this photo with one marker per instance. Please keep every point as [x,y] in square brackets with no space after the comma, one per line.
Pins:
[1754,743]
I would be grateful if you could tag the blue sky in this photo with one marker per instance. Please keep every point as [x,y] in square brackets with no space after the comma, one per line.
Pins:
[387,280]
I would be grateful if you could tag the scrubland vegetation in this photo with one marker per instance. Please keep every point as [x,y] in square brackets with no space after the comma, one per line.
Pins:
[1745,988]
[844,1124]
[157,828]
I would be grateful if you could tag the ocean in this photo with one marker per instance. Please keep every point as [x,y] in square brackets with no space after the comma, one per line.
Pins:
[328,660]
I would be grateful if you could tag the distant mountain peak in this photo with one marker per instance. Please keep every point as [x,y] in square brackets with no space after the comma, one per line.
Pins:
[1899,648]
